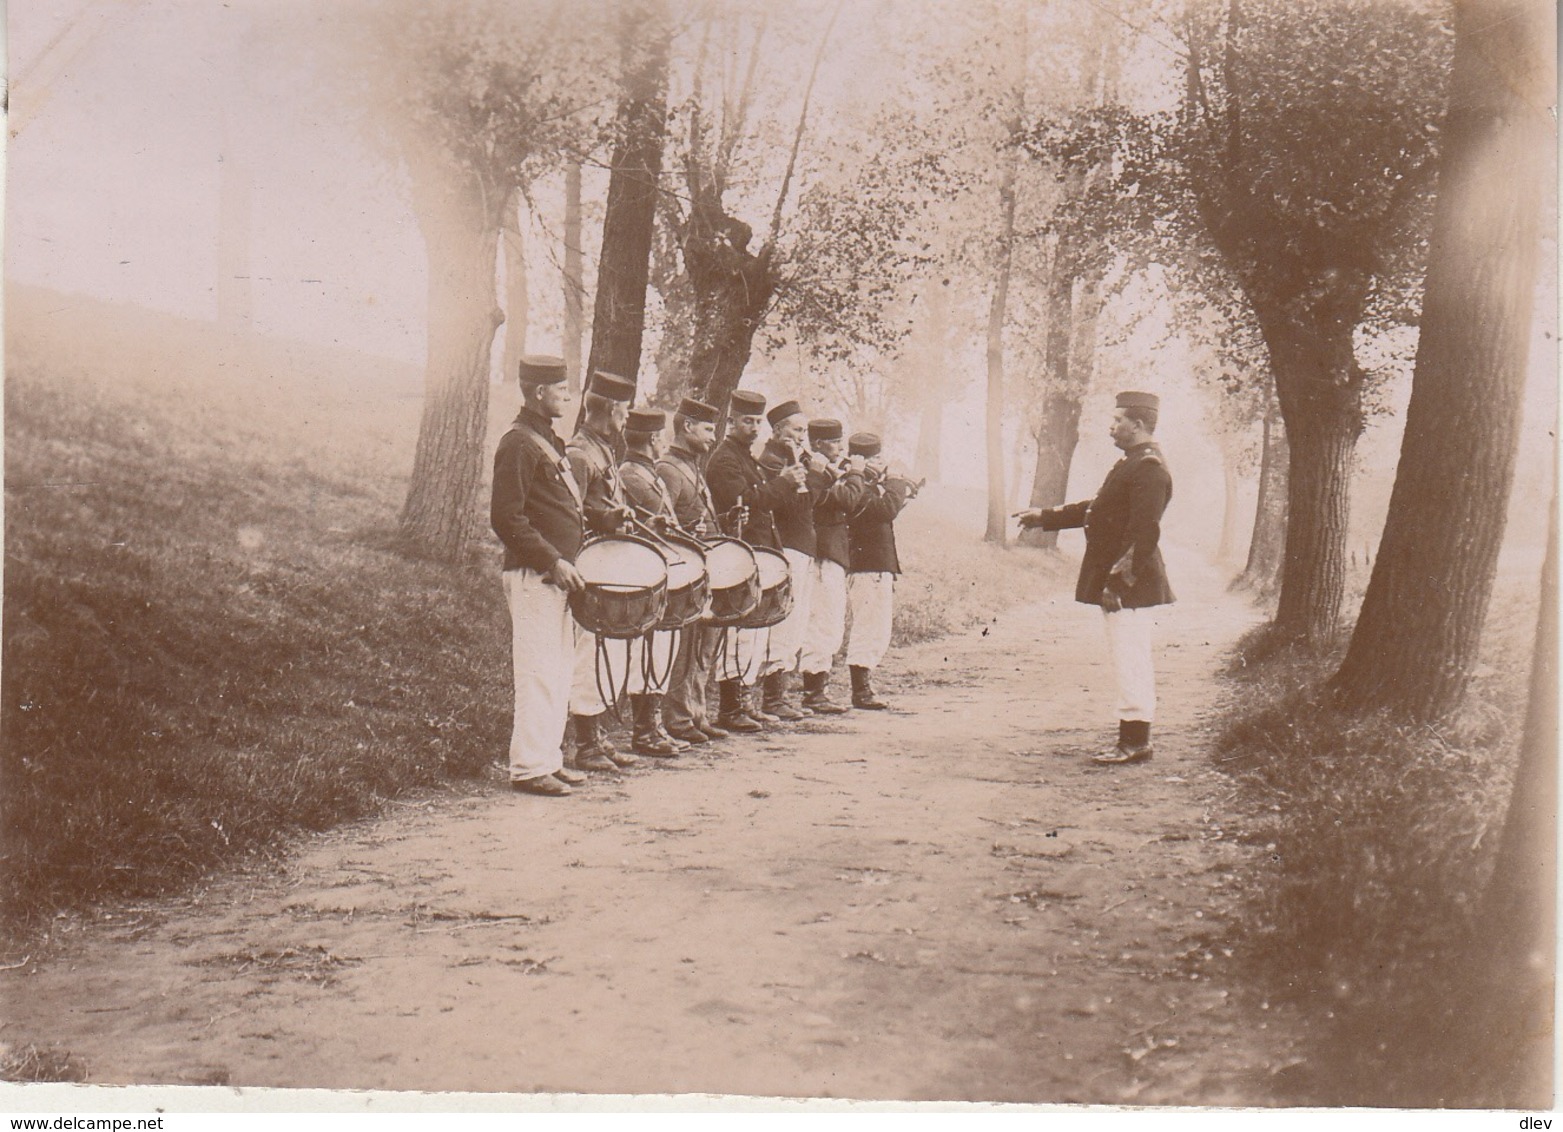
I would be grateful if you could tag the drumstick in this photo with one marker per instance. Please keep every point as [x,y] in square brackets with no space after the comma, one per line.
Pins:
[652,533]
[653,536]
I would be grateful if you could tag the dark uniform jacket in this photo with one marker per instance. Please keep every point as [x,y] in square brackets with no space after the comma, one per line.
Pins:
[835,498]
[735,476]
[597,472]
[681,473]
[1122,529]
[643,489]
[871,527]
[534,509]
[793,511]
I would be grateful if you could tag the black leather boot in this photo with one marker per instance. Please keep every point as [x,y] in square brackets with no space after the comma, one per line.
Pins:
[816,694]
[863,690]
[679,745]
[730,714]
[776,699]
[750,698]
[645,738]
[1134,744]
[589,744]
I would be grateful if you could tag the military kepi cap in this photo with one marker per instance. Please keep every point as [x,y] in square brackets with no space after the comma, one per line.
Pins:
[782,412]
[1139,401]
[612,386]
[863,444]
[541,369]
[747,404]
[646,420]
[825,429]
[697,411]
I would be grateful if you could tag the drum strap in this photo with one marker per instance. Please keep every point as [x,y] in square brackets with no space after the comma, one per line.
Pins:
[604,660]
[700,487]
[563,464]
[656,684]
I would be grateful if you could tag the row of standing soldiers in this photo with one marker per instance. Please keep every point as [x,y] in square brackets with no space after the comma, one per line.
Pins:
[826,503]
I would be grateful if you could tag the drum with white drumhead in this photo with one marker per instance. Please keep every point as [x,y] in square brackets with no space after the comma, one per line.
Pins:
[733,577]
[775,590]
[688,589]
[626,590]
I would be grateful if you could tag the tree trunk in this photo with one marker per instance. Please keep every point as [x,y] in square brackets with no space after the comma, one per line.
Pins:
[440,516]
[1071,339]
[997,528]
[1267,545]
[732,289]
[517,297]
[1416,640]
[1519,914]
[1056,442]
[1313,571]
[932,336]
[930,429]
[725,325]
[623,268]
[574,276]
[1231,484]
[678,309]
[1319,387]
[1017,487]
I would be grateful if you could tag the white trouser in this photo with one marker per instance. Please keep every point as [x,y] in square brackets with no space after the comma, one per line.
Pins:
[1129,633]
[827,616]
[787,638]
[872,598]
[740,653]
[542,638]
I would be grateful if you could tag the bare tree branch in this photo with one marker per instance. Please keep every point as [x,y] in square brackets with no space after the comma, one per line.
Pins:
[740,117]
[797,137]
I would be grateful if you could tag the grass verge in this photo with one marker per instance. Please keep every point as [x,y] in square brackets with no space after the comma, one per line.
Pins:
[1379,841]
[206,648]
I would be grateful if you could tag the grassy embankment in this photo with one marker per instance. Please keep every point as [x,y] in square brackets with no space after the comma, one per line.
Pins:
[1380,841]
[210,643]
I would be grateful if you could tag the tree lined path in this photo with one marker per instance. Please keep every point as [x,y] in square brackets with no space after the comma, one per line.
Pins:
[942,902]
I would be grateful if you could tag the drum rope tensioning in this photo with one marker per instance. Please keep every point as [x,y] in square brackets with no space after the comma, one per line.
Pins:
[625,595]
[688,594]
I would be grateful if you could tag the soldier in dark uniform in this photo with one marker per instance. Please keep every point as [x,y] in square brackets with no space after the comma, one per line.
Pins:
[647,496]
[595,462]
[872,567]
[536,512]
[1122,570]
[836,487]
[793,515]
[745,498]
[682,473]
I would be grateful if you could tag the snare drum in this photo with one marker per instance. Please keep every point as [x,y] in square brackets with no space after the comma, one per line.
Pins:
[733,577]
[775,590]
[626,587]
[687,585]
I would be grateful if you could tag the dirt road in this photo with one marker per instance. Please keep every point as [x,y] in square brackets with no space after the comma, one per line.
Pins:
[946,901]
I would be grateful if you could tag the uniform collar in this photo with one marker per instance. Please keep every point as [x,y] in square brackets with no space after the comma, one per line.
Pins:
[1138,450]
[596,437]
[738,445]
[637,458]
[686,454]
[537,422]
